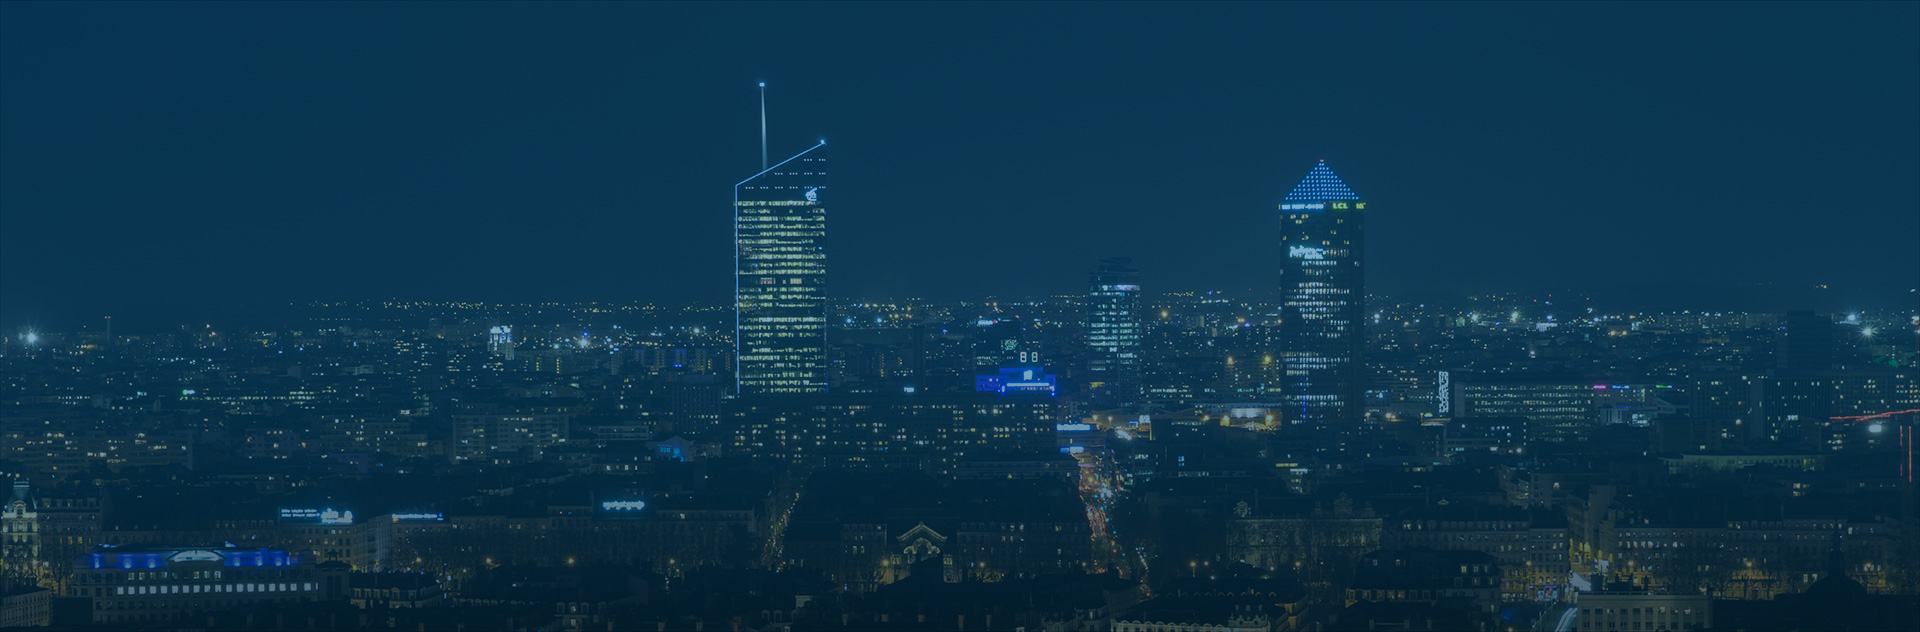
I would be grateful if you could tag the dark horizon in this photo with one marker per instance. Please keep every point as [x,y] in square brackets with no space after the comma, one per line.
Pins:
[206,160]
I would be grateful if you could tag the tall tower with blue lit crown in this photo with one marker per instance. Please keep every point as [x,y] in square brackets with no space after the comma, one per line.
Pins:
[1322,298]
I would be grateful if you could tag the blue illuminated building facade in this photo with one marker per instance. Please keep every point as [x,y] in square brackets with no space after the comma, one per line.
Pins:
[149,586]
[1322,300]
[1030,380]
[780,270]
[158,558]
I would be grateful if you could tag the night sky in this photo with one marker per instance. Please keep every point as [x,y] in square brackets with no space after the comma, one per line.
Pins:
[171,158]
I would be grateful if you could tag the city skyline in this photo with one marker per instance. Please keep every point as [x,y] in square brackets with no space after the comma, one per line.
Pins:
[1091,317]
[561,208]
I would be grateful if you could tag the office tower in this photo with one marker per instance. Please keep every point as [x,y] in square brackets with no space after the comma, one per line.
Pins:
[1557,409]
[694,401]
[1322,300]
[780,276]
[1805,343]
[500,341]
[1113,332]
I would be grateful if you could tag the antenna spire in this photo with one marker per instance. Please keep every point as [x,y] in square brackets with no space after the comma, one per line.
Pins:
[763,125]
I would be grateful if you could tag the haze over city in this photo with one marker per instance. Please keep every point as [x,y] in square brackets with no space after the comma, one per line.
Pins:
[1061,317]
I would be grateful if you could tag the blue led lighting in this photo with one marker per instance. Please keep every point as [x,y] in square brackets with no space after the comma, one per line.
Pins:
[1320,185]
[1018,380]
[777,165]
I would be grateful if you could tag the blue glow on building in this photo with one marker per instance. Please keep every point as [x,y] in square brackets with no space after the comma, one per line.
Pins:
[1320,185]
[1322,301]
[674,449]
[162,558]
[1029,380]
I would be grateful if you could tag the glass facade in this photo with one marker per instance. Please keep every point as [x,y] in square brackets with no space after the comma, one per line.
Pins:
[1113,332]
[780,276]
[1557,411]
[1322,300]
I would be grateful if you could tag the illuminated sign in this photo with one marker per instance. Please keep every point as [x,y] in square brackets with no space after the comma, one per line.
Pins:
[419,517]
[1073,427]
[1031,380]
[196,555]
[1306,252]
[623,505]
[323,516]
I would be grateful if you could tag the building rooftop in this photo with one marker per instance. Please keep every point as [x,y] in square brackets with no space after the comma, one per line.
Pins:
[1320,185]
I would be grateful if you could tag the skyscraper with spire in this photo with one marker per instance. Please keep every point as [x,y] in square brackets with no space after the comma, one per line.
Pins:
[1322,300]
[780,274]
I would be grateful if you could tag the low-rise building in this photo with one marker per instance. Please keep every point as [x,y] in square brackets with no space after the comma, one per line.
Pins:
[1627,610]
[1427,576]
[25,606]
[145,586]
[1195,614]
[394,590]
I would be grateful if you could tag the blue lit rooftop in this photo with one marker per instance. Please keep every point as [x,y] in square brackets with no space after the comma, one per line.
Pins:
[1320,185]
